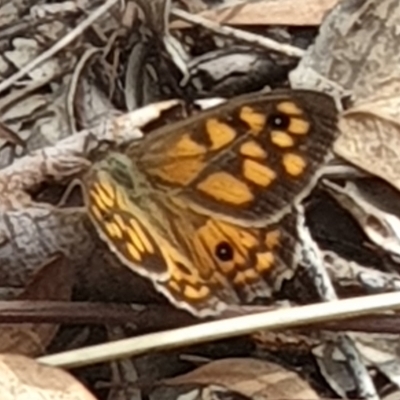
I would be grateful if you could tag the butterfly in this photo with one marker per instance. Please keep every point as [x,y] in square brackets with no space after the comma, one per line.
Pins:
[203,206]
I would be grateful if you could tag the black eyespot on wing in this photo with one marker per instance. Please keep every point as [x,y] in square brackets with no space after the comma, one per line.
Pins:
[224,251]
[278,120]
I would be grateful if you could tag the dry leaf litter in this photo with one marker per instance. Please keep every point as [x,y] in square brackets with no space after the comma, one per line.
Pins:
[76,76]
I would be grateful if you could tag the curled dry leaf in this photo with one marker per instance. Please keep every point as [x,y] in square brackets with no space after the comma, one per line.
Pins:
[370,137]
[53,281]
[255,379]
[264,12]
[22,378]
[382,228]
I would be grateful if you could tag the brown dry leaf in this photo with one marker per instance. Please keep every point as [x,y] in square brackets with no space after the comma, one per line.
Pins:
[256,379]
[22,378]
[358,53]
[29,237]
[267,12]
[53,282]
[347,57]
[370,136]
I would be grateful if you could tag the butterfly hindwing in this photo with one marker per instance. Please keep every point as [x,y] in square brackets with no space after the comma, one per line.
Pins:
[117,219]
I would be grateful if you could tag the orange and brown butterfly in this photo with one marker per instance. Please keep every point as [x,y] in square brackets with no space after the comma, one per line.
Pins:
[202,207]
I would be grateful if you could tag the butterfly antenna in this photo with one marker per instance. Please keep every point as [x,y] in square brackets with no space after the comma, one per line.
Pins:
[68,191]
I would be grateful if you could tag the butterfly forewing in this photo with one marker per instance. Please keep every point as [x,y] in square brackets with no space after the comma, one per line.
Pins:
[247,160]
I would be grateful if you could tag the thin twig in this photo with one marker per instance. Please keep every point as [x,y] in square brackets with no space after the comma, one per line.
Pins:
[232,327]
[151,317]
[74,83]
[238,34]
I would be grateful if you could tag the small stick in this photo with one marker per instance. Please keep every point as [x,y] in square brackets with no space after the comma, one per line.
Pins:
[238,34]
[227,328]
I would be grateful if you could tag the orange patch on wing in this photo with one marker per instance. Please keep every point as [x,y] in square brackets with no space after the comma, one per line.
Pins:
[180,172]
[253,149]
[185,282]
[181,271]
[142,236]
[294,164]
[135,239]
[243,239]
[113,230]
[258,173]
[298,126]
[288,107]
[174,286]
[207,238]
[219,133]
[265,261]
[255,120]
[97,200]
[133,251]
[186,147]
[246,276]
[281,139]
[210,235]
[272,239]
[119,221]
[251,275]
[96,212]
[105,191]
[225,187]
[196,294]
[239,279]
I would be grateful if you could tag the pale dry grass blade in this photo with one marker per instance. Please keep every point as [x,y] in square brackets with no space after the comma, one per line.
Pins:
[233,327]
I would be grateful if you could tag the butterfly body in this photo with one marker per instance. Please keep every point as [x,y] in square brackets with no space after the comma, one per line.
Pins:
[202,206]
